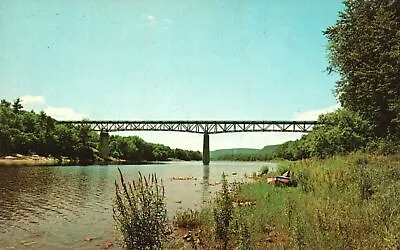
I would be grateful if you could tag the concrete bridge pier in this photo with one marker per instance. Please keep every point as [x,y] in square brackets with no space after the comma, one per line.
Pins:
[104,147]
[206,149]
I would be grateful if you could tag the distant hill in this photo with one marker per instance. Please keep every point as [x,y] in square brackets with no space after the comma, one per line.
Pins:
[232,151]
[270,149]
[243,154]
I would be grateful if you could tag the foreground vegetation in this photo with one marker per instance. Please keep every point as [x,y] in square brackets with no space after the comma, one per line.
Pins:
[140,212]
[346,202]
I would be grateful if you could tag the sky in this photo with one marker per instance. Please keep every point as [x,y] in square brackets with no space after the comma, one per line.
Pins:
[170,60]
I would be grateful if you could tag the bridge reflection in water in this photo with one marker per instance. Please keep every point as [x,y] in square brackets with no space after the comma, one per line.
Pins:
[200,127]
[206,181]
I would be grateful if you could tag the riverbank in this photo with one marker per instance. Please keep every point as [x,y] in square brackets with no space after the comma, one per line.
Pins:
[345,202]
[36,160]
[32,160]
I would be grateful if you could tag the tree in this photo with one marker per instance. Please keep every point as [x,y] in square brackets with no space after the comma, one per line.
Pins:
[364,48]
[17,106]
[84,147]
[4,103]
[67,140]
[343,131]
[340,132]
[181,154]
[161,152]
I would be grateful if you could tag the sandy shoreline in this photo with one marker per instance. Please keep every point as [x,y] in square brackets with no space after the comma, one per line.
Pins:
[32,160]
[36,160]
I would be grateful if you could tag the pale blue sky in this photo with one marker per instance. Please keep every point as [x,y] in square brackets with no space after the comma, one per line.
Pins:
[169,59]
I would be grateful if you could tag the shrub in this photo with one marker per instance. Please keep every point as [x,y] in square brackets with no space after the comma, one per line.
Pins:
[140,212]
[243,234]
[303,178]
[223,213]
[383,146]
[189,219]
[264,170]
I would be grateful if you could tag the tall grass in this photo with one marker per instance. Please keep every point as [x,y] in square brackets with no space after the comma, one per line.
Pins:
[140,212]
[346,202]
[242,233]
[189,219]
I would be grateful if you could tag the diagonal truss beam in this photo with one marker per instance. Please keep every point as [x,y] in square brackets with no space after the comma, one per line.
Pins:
[200,127]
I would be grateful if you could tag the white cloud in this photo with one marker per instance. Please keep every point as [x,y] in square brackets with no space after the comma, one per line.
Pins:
[63,113]
[32,100]
[314,114]
[151,18]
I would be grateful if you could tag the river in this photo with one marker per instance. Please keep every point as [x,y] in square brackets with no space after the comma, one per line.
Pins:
[58,207]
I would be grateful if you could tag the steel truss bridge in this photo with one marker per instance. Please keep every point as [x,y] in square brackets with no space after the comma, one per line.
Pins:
[199,127]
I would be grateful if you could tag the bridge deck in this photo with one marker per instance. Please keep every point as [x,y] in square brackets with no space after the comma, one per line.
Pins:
[200,127]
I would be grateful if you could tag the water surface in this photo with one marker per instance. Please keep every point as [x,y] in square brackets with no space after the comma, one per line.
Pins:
[57,207]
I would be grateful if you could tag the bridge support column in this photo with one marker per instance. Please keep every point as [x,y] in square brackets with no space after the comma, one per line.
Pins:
[206,149]
[104,147]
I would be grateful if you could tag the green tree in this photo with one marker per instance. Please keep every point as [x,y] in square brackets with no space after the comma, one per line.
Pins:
[161,152]
[343,131]
[114,148]
[340,132]
[195,155]
[181,154]
[17,106]
[67,140]
[364,48]
[84,146]
[4,103]
[128,149]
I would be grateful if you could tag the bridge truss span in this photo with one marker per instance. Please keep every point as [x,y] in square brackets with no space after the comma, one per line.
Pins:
[200,127]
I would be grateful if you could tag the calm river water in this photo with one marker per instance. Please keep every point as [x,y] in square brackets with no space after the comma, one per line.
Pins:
[59,207]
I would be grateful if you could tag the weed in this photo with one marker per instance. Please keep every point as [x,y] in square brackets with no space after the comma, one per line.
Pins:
[140,212]
[289,210]
[188,219]
[223,213]
[299,233]
[242,231]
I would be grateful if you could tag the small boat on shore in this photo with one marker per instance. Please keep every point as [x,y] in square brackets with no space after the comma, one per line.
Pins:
[282,179]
